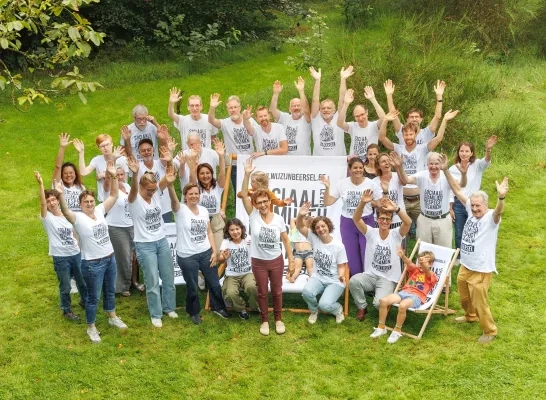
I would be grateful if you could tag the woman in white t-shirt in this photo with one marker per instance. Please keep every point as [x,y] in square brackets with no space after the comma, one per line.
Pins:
[68,174]
[151,246]
[196,250]
[63,248]
[98,261]
[267,231]
[349,190]
[330,267]
[390,185]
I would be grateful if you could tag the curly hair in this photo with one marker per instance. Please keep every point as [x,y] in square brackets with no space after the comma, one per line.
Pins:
[326,220]
[237,222]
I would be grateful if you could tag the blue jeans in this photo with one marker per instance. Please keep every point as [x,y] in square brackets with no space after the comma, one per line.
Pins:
[65,267]
[99,275]
[330,295]
[190,267]
[416,300]
[460,219]
[156,261]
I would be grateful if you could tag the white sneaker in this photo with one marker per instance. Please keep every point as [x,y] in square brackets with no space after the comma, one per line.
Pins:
[200,281]
[172,314]
[393,338]
[117,322]
[313,317]
[340,317]
[93,335]
[279,327]
[73,287]
[157,322]
[264,328]
[378,332]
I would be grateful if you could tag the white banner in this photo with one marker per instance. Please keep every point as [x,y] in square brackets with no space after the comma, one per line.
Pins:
[170,233]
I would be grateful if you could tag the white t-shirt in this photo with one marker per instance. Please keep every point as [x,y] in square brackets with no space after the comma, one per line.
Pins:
[147,218]
[298,134]
[361,138]
[479,241]
[119,214]
[236,137]
[60,235]
[350,195]
[424,136]
[208,156]
[266,238]
[413,161]
[191,231]
[186,125]
[269,141]
[396,192]
[328,139]
[149,132]
[72,197]
[473,175]
[434,198]
[99,162]
[94,239]
[238,264]
[159,170]
[327,256]
[212,199]
[381,257]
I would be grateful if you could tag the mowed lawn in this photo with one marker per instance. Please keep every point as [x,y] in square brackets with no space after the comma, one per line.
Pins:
[44,356]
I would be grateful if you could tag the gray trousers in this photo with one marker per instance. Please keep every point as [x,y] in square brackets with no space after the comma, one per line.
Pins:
[361,283]
[122,241]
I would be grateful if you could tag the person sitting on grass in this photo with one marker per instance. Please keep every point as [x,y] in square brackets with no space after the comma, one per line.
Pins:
[234,252]
[303,251]
[414,293]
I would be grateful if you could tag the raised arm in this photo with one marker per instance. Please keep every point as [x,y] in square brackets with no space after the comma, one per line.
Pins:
[357,216]
[170,177]
[247,114]
[64,141]
[453,184]
[220,149]
[114,190]
[300,225]
[300,87]
[126,135]
[344,74]
[370,95]
[389,205]
[389,91]
[68,214]
[502,189]
[249,168]
[391,116]
[328,199]
[151,119]
[174,97]
[407,262]
[489,146]
[214,103]
[132,163]
[440,136]
[84,171]
[342,115]
[273,106]
[396,161]
[439,90]
[163,136]
[315,101]
[41,194]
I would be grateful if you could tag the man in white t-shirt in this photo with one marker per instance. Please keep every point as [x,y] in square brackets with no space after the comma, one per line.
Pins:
[478,253]
[202,154]
[236,137]
[195,121]
[144,126]
[297,124]
[413,156]
[362,132]
[328,138]
[426,134]
[270,138]
[382,267]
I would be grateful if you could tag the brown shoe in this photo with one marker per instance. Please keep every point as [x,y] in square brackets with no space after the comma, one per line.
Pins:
[361,314]
[486,338]
[462,319]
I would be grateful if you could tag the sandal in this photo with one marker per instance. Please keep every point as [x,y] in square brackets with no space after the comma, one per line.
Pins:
[126,294]
[138,286]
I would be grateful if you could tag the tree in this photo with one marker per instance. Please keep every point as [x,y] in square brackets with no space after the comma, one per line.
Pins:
[42,36]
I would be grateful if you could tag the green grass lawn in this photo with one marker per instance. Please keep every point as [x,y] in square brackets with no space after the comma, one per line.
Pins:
[44,356]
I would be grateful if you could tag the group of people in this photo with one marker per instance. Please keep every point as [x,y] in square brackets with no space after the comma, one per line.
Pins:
[102,246]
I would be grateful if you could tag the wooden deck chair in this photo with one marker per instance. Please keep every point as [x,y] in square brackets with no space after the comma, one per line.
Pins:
[445,258]
[287,286]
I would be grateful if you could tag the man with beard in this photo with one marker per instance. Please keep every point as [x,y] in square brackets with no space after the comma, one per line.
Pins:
[144,126]
[297,124]
[270,138]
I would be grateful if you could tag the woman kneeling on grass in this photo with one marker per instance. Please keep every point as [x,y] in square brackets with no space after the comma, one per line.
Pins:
[98,262]
[330,265]
[267,230]
[414,293]
[234,252]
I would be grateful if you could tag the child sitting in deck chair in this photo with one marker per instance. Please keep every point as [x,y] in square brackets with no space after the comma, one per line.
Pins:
[303,250]
[414,293]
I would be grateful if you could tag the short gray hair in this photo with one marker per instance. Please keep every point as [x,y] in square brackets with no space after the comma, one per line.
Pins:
[482,194]
[139,109]
[433,154]
[234,98]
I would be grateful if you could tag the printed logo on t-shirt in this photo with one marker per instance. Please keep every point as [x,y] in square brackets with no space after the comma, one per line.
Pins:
[100,233]
[410,164]
[323,261]
[268,238]
[393,196]
[433,202]
[418,282]
[382,258]
[327,141]
[65,234]
[126,209]
[291,132]
[352,198]
[239,260]
[153,219]
[209,202]
[72,199]
[241,139]
[470,231]
[198,230]
[360,145]
[269,144]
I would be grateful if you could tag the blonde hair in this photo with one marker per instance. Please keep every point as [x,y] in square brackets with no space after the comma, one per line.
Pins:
[428,254]
[148,177]
[261,179]
[195,97]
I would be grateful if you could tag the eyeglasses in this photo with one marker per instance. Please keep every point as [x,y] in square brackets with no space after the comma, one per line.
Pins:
[384,219]
[143,119]
[259,203]
[104,145]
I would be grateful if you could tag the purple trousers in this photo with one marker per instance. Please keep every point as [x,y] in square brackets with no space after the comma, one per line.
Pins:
[354,242]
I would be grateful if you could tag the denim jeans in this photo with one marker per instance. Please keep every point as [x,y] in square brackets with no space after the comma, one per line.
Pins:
[460,219]
[330,295]
[156,261]
[99,275]
[65,267]
[190,267]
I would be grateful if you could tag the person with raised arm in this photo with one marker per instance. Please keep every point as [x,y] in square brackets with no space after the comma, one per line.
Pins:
[63,248]
[236,137]
[194,122]
[362,131]
[68,174]
[98,163]
[370,164]
[270,138]
[151,246]
[267,232]
[297,123]
[98,261]
[413,156]
[415,115]
[144,126]
[328,138]
[390,184]
[382,265]
[478,252]
[196,152]
[330,266]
